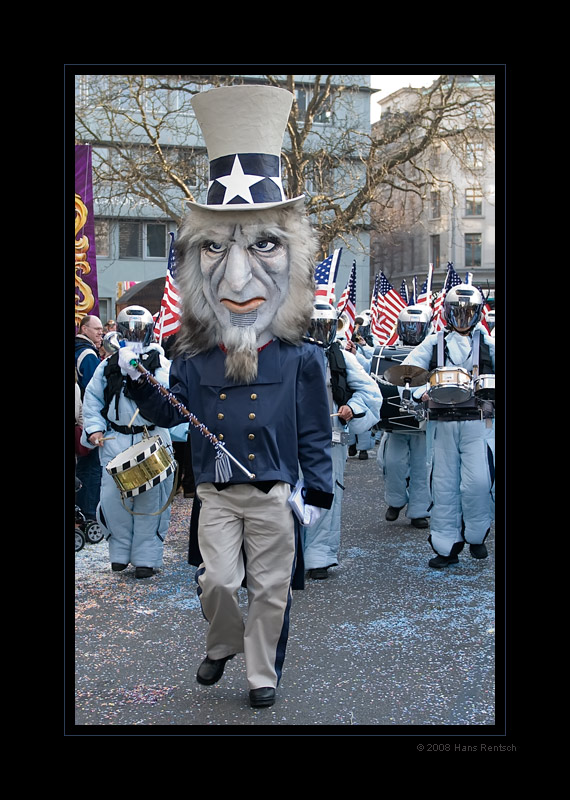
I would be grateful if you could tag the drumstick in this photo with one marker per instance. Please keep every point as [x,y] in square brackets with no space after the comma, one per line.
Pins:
[133,418]
[336,413]
[106,438]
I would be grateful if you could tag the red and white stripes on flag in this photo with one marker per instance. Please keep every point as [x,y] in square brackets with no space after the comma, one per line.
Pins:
[168,320]
[424,295]
[347,303]
[325,278]
[385,306]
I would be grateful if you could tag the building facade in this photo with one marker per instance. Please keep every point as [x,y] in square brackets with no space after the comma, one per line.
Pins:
[445,211]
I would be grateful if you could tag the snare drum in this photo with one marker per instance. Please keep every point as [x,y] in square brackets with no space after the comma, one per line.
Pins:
[484,387]
[142,466]
[450,385]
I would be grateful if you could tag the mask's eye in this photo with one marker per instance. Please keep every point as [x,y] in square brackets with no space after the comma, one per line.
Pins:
[264,246]
[214,247]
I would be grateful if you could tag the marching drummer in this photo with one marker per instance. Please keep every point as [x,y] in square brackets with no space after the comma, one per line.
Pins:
[460,428]
[111,421]
[402,452]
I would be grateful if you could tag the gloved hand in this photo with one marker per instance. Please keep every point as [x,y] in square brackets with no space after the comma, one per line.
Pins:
[312,514]
[126,355]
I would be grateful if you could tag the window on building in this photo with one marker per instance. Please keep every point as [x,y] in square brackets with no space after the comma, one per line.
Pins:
[102,238]
[155,240]
[434,251]
[473,202]
[192,166]
[473,243]
[142,239]
[435,210]
[303,99]
[474,154]
[130,240]
[159,100]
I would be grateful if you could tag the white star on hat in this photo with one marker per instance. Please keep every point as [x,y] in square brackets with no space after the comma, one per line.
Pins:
[237,183]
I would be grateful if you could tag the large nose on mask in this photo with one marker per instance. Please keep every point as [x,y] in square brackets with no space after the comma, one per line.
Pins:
[238,271]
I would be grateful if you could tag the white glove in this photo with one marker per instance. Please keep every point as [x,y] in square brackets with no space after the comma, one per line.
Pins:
[312,514]
[126,355]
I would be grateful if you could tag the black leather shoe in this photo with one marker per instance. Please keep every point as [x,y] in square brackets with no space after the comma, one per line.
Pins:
[143,572]
[478,550]
[211,670]
[116,567]
[439,562]
[319,574]
[261,698]
[420,522]
[351,449]
[363,455]
[393,513]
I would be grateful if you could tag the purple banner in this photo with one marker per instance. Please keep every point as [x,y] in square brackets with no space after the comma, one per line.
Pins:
[86,294]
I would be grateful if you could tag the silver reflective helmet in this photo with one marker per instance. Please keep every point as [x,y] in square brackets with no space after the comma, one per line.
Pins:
[135,324]
[111,342]
[413,324]
[323,325]
[462,307]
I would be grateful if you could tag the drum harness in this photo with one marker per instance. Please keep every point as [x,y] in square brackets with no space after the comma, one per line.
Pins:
[471,409]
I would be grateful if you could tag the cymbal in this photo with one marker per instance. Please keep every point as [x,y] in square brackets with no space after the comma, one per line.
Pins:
[406,374]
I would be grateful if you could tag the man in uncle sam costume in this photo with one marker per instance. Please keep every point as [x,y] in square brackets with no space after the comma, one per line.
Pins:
[245,271]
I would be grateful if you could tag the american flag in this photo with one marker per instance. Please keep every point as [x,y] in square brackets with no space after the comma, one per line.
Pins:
[452,279]
[425,292]
[347,302]
[422,296]
[385,307]
[325,278]
[486,310]
[168,320]
[404,292]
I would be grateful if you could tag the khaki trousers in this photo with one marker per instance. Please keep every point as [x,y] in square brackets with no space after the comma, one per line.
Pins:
[264,524]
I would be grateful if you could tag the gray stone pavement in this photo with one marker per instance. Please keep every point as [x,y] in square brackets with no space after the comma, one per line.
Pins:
[386,646]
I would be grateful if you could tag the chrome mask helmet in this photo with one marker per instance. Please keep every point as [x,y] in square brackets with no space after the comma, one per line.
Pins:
[462,308]
[323,324]
[135,324]
[413,324]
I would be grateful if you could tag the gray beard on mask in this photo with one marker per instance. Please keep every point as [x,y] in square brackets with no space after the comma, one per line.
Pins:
[241,353]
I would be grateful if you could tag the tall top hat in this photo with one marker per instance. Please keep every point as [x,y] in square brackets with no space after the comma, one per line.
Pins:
[243,129]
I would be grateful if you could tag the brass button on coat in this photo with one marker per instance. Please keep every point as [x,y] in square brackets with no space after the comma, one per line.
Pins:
[223,396]
[253,397]
[251,436]
[251,456]
[251,416]
[220,416]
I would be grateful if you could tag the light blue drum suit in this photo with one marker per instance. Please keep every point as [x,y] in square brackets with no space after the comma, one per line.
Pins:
[134,538]
[321,542]
[460,452]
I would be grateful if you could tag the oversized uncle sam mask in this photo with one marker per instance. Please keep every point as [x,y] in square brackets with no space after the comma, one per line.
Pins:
[245,258]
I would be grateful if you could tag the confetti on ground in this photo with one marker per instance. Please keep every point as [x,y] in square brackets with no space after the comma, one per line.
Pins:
[385,641]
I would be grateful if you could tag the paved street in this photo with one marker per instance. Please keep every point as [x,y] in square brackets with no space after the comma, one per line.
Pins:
[385,646]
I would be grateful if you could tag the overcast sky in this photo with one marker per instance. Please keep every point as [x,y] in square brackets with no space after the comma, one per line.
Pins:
[386,84]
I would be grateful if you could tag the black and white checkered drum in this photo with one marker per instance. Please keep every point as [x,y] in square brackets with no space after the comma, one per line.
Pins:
[142,466]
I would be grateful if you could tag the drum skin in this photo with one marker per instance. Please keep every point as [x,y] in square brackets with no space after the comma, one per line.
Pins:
[450,385]
[141,467]
[484,387]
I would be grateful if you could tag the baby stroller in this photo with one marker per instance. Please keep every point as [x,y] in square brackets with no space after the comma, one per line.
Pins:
[86,530]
